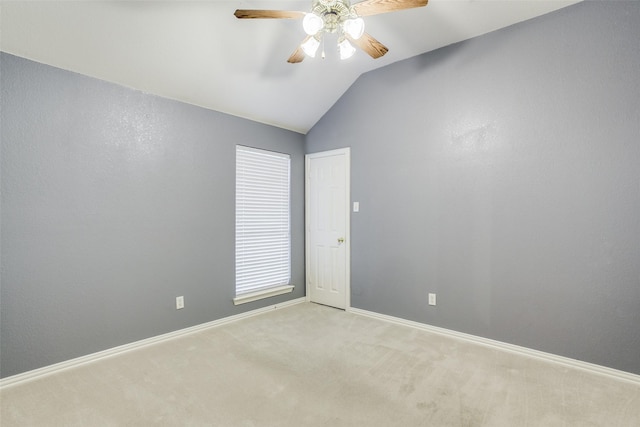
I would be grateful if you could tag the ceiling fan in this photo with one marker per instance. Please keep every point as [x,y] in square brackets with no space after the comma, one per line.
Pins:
[335,16]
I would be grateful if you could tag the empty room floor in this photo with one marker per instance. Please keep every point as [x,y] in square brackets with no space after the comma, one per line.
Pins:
[310,365]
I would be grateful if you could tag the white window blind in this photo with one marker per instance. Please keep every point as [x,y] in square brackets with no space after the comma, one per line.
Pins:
[263,249]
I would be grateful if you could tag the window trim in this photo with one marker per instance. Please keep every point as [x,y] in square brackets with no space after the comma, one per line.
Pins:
[264,293]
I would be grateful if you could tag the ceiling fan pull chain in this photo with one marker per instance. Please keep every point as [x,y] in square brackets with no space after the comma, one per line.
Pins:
[322,56]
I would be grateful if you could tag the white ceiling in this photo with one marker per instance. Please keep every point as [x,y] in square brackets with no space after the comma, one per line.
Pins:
[198,52]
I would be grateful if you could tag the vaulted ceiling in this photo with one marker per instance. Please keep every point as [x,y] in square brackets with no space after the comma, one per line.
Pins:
[198,52]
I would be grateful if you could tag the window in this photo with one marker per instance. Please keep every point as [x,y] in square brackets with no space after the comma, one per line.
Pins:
[263,242]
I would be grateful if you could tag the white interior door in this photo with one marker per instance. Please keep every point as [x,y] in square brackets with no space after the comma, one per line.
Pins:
[327,225]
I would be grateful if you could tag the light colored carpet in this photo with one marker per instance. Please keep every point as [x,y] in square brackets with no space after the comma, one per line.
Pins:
[309,365]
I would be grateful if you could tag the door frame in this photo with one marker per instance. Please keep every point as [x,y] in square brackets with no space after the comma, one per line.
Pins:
[346,152]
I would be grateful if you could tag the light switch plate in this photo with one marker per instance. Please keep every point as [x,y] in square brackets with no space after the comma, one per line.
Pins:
[356,206]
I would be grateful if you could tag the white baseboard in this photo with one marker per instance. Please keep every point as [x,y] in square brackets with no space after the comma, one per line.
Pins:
[67,364]
[572,363]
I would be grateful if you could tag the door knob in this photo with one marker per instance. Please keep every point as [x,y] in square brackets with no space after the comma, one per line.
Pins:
[340,239]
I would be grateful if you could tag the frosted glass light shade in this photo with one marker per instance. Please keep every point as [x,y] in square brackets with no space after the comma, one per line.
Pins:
[310,47]
[312,23]
[346,50]
[354,27]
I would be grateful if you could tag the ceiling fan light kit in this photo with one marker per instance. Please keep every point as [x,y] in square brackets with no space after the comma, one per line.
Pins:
[312,23]
[346,50]
[354,27]
[336,16]
[310,47]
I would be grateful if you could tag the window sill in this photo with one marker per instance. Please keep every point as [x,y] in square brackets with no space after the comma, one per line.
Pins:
[266,293]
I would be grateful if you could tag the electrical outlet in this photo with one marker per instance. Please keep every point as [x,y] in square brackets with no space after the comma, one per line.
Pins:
[179,303]
[432,299]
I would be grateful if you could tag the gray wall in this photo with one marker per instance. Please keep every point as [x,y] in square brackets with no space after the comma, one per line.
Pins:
[114,202]
[503,174]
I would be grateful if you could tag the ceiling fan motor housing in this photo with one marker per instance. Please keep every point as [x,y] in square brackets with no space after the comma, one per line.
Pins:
[333,13]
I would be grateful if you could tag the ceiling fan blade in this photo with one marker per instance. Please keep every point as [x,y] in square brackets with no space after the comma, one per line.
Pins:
[374,7]
[371,46]
[269,14]
[298,54]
